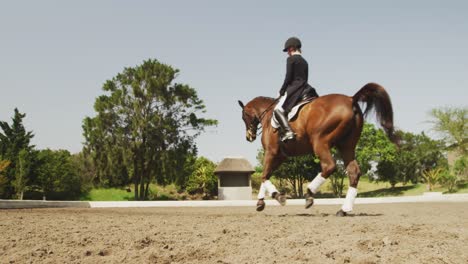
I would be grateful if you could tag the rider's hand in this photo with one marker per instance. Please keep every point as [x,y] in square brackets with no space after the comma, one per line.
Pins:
[281,93]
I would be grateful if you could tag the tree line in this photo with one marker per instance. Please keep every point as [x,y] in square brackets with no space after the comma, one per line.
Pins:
[143,132]
[39,173]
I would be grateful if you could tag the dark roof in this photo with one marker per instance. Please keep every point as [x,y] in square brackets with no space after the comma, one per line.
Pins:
[233,164]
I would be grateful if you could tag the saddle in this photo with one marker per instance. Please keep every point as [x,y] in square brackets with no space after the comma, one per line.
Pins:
[308,95]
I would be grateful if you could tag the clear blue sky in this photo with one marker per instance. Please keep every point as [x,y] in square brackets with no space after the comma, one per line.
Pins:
[55,56]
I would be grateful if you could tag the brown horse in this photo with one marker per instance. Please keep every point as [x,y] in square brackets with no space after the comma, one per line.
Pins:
[333,120]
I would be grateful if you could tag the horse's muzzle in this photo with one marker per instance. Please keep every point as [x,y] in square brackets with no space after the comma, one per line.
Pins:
[250,136]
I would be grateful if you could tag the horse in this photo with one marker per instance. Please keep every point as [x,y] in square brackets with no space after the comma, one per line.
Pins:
[333,120]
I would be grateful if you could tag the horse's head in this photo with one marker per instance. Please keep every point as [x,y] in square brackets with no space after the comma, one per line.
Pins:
[251,121]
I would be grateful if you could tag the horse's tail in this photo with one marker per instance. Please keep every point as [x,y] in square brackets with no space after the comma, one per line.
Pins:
[376,98]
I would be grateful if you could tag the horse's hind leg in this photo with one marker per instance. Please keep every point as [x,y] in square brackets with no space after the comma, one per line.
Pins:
[270,163]
[354,172]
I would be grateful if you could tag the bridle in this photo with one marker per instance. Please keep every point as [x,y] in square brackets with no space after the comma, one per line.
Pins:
[253,126]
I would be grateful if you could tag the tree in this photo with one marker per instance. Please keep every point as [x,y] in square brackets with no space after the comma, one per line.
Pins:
[449,180]
[429,153]
[416,153]
[373,146]
[13,139]
[3,179]
[57,175]
[22,173]
[85,169]
[337,180]
[456,174]
[460,168]
[145,126]
[203,180]
[451,123]
[297,171]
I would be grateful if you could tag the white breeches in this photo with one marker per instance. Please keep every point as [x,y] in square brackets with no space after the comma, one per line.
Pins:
[279,105]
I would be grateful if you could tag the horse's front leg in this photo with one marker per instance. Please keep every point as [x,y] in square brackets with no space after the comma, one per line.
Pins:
[270,163]
[328,165]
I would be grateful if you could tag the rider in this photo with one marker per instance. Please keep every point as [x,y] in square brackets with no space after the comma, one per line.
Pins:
[297,71]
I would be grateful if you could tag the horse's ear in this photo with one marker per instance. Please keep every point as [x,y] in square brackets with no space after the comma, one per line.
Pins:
[241,104]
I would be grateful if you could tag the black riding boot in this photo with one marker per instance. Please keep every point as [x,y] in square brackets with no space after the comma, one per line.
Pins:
[287,134]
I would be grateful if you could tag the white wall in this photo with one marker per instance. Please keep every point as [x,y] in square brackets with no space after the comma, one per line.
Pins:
[234,193]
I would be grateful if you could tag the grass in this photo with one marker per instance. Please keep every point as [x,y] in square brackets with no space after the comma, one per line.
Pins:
[108,194]
[380,189]
[160,193]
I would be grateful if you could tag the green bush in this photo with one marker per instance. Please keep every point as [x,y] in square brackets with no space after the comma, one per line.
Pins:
[167,193]
[449,180]
[432,177]
[460,168]
[256,180]
[203,180]
[337,181]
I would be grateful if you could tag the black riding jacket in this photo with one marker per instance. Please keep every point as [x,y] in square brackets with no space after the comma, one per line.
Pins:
[297,69]
[297,74]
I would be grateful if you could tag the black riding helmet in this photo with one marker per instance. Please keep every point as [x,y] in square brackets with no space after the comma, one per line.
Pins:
[292,42]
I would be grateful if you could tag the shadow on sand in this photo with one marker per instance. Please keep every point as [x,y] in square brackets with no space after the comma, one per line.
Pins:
[327,215]
[396,191]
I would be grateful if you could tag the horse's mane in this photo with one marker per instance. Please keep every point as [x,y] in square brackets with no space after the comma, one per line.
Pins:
[263,98]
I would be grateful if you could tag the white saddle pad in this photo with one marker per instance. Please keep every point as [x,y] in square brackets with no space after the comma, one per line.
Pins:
[291,115]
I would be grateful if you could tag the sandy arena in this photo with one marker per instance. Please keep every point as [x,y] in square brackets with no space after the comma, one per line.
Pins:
[390,233]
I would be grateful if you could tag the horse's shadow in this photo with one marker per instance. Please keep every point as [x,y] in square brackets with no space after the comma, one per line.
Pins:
[364,215]
[327,215]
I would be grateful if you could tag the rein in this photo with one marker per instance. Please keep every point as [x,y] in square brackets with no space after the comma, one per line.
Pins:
[263,114]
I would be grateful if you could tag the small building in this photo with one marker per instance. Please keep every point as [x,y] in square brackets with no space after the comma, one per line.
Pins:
[234,179]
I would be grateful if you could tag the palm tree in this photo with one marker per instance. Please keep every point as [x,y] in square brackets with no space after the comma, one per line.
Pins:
[432,177]
[451,123]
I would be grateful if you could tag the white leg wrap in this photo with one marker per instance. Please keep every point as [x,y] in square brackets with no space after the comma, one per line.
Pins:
[262,192]
[270,187]
[315,184]
[349,201]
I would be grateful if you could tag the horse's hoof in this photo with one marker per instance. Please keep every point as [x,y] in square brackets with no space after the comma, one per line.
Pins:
[341,213]
[309,199]
[260,205]
[309,202]
[281,198]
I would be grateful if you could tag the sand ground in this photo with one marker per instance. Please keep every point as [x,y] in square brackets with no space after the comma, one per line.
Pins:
[390,233]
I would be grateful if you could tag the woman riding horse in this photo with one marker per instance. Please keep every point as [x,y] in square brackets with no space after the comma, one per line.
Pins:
[333,120]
